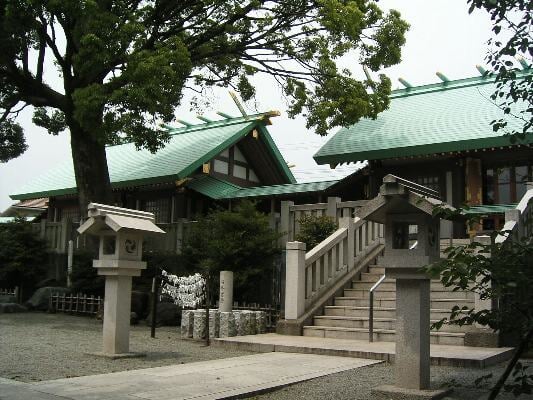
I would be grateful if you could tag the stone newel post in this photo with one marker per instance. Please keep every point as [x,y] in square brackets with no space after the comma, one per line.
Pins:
[295,280]
[121,233]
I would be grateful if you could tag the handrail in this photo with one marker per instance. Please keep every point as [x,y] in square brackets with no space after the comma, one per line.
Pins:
[513,217]
[371,309]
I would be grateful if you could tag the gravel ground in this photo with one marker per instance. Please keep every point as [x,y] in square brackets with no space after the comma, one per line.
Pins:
[356,384]
[39,346]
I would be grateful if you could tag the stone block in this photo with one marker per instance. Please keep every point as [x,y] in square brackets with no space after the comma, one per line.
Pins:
[214,323]
[199,328]
[243,321]
[187,323]
[481,339]
[260,319]
[227,325]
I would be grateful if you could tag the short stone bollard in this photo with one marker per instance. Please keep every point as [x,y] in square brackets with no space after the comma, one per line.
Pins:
[199,324]
[227,325]
[260,319]
[214,323]
[187,324]
[223,324]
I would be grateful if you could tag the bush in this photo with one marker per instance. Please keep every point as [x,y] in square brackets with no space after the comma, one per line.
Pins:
[314,230]
[240,241]
[23,256]
[85,278]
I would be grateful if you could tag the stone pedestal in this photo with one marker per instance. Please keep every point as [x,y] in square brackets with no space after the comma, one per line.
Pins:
[225,299]
[187,323]
[199,328]
[412,333]
[227,324]
[260,318]
[214,323]
[117,304]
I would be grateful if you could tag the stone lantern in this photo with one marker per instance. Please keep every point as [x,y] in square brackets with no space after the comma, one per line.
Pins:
[411,242]
[121,232]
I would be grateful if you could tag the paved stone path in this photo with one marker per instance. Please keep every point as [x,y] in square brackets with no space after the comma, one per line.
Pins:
[456,356]
[216,379]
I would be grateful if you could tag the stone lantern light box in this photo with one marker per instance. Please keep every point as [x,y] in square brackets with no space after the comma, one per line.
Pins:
[121,232]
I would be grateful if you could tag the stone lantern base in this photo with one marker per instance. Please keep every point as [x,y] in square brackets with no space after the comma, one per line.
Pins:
[390,392]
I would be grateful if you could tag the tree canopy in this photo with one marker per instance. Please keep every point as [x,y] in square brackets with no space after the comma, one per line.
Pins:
[125,64]
[511,25]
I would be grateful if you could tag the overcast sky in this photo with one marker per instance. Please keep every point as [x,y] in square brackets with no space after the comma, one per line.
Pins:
[443,37]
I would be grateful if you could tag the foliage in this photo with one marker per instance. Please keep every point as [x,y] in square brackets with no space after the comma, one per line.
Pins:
[502,274]
[512,21]
[23,255]
[240,241]
[314,229]
[12,141]
[84,277]
[124,65]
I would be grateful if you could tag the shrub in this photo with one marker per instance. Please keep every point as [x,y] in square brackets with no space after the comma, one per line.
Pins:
[23,255]
[314,230]
[240,241]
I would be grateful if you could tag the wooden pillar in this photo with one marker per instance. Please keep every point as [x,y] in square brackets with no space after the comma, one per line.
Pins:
[473,188]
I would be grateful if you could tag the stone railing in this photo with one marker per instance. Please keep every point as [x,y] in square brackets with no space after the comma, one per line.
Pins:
[312,278]
[519,221]
[335,208]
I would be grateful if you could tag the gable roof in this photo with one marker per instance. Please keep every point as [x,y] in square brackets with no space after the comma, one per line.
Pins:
[187,149]
[438,118]
[218,189]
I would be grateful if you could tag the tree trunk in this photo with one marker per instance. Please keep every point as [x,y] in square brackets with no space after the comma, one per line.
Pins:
[90,169]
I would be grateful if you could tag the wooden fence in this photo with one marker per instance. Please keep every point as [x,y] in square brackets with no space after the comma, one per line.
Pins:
[58,234]
[272,313]
[76,304]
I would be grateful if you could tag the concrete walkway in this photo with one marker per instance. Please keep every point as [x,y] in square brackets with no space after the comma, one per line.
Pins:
[216,379]
[453,356]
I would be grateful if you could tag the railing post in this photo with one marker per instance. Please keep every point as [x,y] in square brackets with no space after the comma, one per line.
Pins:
[295,280]
[347,222]
[285,222]
[331,210]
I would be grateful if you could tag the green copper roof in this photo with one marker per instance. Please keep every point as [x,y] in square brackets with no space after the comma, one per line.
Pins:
[212,187]
[489,209]
[186,151]
[218,189]
[291,188]
[437,118]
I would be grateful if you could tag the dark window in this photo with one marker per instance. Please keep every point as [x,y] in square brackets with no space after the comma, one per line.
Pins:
[160,208]
[506,185]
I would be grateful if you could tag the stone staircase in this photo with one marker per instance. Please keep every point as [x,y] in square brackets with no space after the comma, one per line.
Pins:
[347,318]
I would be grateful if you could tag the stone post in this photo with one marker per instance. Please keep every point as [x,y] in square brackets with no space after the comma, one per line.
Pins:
[117,304]
[347,222]
[331,211]
[227,324]
[295,280]
[412,333]
[285,219]
[225,298]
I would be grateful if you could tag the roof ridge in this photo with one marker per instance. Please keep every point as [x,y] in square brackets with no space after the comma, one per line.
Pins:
[212,124]
[287,184]
[224,121]
[453,84]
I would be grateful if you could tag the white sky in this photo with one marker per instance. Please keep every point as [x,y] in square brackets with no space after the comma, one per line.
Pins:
[443,37]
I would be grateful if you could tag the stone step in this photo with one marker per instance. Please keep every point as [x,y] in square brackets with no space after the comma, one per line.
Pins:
[391,285]
[376,269]
[444,303]
[382,293]
[379,323]
[370,277]
[380,335]
[379,312]
[353,322]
